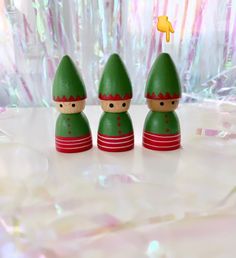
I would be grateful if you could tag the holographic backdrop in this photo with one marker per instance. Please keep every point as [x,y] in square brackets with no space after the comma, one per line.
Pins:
[35,34]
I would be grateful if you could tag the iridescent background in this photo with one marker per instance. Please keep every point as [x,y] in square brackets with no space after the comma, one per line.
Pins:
[35,34]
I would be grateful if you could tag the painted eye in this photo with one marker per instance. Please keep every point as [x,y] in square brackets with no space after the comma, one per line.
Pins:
[162,103]
[173,102]
[111,105]
[61,105]
[73,105]
[124,105]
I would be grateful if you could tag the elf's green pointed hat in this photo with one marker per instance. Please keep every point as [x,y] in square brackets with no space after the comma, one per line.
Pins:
[115,83]
[163,80]
[68,84]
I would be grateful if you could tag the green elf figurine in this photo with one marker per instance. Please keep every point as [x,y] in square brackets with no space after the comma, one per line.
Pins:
[163,91]
[72,127]
[115,132]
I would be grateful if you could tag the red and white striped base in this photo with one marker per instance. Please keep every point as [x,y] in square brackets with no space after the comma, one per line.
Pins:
[116,143]
[73,144]
[160,142]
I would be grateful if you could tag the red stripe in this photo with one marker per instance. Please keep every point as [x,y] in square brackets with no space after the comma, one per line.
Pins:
[111,144]
[74,141]
[161,143]
[72,138]
[167,140]
[115,137]
[161,135]
[68,140]
[63,150]
[157,148]
[75,145]
[164,137]
[122,139]
[117,143]
[115,150]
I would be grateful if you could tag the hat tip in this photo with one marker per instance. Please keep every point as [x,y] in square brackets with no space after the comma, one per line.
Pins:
[164,54]
[66,57]
[115,55]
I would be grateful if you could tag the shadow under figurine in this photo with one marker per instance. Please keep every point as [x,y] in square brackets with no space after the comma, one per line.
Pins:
[72,127]
[115,132]
[163,91]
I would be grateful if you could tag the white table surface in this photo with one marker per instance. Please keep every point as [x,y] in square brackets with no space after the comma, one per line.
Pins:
[139,203]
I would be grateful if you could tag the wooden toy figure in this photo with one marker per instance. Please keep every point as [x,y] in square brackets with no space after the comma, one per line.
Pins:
[72,127]
[115,132]
[163,91]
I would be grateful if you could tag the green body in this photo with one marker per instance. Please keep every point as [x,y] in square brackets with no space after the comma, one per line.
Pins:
[162,123]
[115,124]
[115,82]
[72,125]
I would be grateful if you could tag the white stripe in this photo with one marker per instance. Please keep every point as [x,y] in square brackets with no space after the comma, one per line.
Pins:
[78,140]
[105,147]
[160,141]
[75,143]
[162,147]
[107,142]
[75,148]
[115,138]
[162,136]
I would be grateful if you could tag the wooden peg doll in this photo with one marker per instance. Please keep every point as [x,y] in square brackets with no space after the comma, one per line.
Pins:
[72,127]
[115,132]
[163,91]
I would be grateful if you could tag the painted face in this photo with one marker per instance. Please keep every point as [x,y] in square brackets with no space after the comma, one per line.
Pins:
[115,106]
[163,105]
[70,107]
